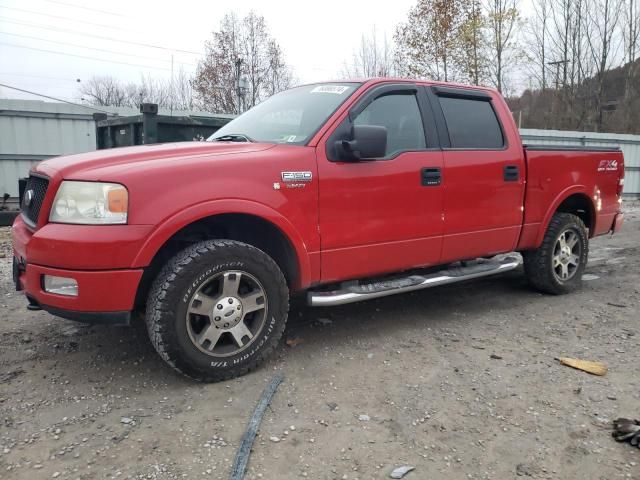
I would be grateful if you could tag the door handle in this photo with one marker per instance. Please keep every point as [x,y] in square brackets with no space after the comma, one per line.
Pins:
[431,177]
[511,173]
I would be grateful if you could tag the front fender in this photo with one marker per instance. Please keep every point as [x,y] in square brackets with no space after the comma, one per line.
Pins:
[171,225]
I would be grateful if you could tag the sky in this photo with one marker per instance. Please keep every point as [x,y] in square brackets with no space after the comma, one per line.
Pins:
[47,46]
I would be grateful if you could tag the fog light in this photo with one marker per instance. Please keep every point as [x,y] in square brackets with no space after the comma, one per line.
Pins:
[61,285]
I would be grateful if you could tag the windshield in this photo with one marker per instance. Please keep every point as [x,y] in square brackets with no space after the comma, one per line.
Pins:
[292,116]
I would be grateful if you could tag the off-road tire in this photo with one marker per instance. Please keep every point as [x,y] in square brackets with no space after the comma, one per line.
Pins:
[168,299]
[538,264]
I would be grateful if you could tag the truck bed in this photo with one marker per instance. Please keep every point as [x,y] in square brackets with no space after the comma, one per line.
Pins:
[555,172]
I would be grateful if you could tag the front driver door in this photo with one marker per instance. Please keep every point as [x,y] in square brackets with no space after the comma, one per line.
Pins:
[385,214]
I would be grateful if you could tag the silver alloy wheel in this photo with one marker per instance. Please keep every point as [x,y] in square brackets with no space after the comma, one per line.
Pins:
[566,255]
[226,313]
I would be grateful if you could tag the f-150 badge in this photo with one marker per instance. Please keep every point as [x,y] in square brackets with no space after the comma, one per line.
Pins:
[296,176]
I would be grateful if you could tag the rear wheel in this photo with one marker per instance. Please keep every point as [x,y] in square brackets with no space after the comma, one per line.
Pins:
[557,266]
[217,309]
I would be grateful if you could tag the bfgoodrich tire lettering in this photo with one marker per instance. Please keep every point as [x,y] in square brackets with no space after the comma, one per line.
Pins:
[170,310]
[557,266]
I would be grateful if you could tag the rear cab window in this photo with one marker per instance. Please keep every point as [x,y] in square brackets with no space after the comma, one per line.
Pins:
[472,123]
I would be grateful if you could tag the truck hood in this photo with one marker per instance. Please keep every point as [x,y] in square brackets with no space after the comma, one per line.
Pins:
[100,161]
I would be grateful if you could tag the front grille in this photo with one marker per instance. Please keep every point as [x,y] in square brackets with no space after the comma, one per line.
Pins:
[38,186]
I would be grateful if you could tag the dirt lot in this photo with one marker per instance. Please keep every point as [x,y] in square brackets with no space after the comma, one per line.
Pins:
[460,382]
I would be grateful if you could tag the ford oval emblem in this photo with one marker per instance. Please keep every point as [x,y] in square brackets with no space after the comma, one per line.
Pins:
[28,197]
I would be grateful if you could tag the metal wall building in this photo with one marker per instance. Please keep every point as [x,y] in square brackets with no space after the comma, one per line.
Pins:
[630,145]
[32,130]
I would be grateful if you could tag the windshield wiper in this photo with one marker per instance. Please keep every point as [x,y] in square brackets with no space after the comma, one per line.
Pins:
[233,137]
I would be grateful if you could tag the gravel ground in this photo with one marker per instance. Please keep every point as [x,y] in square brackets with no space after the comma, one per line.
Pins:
[459,382]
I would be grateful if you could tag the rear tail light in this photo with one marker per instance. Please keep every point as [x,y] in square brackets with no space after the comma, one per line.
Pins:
[620,185]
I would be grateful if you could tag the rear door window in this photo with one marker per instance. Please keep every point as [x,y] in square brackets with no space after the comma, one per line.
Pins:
[471,123]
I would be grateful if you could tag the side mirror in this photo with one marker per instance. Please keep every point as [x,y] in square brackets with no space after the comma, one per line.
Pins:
[367,143]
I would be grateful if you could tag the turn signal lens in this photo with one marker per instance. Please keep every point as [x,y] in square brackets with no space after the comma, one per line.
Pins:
[118,200]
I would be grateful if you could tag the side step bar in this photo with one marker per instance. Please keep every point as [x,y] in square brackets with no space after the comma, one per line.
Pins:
[350,292]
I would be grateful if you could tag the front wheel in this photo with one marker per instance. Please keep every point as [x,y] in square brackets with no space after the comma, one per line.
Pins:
[557,266]
[217,309]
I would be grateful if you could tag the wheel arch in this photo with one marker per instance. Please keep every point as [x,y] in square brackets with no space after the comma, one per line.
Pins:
[575,201]
[244,221]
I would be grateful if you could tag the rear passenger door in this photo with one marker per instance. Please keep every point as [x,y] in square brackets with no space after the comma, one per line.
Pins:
[483,175]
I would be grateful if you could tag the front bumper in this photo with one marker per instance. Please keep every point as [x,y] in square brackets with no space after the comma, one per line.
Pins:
[104,295]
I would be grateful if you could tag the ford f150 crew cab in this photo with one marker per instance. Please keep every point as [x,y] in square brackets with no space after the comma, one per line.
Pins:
[343,190]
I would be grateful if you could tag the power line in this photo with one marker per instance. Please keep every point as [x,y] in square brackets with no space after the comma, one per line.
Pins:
[56,99]
[84,8]
[13,74]
[83,56]
[61,17]
[67,92]
[94,48]
[102,37]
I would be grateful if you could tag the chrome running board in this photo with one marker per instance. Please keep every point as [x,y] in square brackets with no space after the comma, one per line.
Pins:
[354,291]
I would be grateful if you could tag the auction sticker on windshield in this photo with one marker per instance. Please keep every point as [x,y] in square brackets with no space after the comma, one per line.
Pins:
[337,89]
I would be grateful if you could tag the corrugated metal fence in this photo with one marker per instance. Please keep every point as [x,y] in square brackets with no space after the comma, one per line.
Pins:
[630,145]
[32,130]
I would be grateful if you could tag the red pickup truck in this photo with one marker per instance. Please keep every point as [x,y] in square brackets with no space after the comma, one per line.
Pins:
[344,190]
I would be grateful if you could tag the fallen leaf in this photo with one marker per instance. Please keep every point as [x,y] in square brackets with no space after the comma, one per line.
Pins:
[292,342]
[595,368]
[401,471]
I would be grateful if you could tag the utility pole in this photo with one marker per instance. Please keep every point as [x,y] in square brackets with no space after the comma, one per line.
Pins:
[557,65]
[554,106]
[238,92]
[171,89]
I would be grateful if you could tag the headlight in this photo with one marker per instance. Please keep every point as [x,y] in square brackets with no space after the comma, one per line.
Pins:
[90,203]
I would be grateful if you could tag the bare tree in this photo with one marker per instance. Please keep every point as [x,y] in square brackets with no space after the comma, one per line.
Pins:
[372,58]
[538,36]
[602,23]
[103,91]
[587,49]
[562,20]
[175,93]
[240,49]
[556,45]
[503,18]
[182,96]
[281,75]
[152,90]
[631,37]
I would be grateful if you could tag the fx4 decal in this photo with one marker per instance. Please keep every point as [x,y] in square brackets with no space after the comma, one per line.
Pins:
[608,166]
